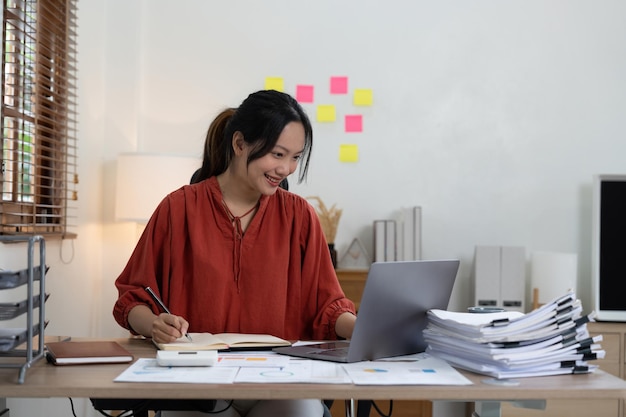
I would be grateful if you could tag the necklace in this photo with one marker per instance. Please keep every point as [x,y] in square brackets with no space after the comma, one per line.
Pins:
[236,220]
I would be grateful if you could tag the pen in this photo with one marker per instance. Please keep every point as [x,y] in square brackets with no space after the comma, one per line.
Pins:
[163,307]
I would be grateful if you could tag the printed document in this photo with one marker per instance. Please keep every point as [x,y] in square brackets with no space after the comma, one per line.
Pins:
[147,370]
[257,367]
[298,370]
[420,369]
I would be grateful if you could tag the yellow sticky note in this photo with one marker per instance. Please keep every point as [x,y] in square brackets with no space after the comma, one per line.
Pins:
[363,97]
[348,153]
[275,83]
[326,113]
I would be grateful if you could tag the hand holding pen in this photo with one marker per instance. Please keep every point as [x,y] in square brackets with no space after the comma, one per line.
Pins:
[163,307]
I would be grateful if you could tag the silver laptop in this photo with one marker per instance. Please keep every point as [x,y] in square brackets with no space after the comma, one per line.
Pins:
[392,314]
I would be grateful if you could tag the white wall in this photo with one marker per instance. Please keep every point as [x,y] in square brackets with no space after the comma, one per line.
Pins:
[493,116]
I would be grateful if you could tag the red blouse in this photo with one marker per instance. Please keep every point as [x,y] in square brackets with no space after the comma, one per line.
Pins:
[277,279]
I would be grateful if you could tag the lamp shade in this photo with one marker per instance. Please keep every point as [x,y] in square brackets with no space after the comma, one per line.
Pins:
[143,180]
[553,273]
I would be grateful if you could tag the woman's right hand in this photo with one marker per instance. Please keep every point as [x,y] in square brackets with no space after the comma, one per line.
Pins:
[166,328]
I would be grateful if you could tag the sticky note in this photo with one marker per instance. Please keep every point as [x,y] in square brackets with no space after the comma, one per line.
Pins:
[326,113]
[363,97]
[354,123]
[275,83]
[304,93]
[348,153]
[338,85]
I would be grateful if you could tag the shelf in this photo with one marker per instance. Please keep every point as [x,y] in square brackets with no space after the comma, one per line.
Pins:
[14,279]
[9,311]
[11,338]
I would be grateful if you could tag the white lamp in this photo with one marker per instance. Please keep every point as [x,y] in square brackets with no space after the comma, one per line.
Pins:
[143,180]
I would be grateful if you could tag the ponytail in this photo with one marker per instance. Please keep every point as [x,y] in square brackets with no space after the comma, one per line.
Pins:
[218,150]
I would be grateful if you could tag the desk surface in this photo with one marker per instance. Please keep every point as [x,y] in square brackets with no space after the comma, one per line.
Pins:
[96,381]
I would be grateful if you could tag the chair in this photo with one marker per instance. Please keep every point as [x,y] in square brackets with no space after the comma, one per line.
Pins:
[142,407]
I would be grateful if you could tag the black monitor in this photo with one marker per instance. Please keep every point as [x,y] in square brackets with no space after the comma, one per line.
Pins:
[609,247]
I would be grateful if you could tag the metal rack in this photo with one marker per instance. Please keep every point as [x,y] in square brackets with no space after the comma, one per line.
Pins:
[13,340]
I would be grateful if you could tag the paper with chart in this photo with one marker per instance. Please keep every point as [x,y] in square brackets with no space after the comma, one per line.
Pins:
[298,370]
[421,369]
[252,359]
[147,370]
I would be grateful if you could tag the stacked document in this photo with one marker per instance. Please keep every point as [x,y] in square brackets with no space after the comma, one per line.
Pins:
[550,340]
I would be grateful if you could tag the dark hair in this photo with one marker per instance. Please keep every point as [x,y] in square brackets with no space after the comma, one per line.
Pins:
[261,119]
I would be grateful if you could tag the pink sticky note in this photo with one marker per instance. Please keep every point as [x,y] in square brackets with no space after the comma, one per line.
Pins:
[338,85]
[354,123]
[304,93]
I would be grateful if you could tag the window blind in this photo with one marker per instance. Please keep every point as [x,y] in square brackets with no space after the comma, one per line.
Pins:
[38,121]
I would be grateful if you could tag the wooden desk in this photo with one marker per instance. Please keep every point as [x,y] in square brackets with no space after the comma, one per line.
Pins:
[96,381]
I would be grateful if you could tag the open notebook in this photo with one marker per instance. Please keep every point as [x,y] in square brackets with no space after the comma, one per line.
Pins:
[224,341]
[392,314]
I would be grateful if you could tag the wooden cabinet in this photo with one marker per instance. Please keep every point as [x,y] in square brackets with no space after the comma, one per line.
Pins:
[613,343]
[613,339]
[352,282]
[614,362]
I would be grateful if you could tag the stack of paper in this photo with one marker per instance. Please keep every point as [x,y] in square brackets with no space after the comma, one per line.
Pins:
[550,340]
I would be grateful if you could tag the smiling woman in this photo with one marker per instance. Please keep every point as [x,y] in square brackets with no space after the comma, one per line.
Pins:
[234,252]
[38,175]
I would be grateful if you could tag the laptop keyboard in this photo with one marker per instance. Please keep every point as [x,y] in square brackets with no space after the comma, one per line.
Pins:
[339,352]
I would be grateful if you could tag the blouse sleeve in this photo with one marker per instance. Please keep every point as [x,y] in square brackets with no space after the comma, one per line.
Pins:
[330,297]
[146,267]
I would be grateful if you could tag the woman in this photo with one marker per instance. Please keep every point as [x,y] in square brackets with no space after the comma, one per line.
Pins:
[235,252]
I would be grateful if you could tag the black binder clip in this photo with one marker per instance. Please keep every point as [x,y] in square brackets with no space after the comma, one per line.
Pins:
[500,322]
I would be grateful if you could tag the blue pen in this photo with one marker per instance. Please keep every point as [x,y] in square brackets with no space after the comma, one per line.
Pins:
[163,307]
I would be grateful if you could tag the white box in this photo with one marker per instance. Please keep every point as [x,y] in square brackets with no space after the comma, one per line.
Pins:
[186,357]
[513,278]
[487,276]
[500,277]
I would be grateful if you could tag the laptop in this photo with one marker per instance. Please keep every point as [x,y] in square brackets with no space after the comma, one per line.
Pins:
[392,314]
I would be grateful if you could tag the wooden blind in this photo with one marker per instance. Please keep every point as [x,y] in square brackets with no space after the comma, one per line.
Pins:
[38,118]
